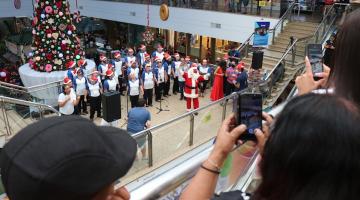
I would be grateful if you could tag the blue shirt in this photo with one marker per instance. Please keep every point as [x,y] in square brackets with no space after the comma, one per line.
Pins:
[242,80]
[137,118]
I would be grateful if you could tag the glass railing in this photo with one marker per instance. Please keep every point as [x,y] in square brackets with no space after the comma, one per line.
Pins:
[266,8]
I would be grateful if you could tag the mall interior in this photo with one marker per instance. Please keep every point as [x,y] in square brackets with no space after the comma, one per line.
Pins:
[201,94]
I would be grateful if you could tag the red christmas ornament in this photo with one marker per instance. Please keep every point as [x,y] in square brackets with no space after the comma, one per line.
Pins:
[63,47]
[59,4]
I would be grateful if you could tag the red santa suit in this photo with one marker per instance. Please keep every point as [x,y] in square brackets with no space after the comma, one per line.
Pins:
[191,90]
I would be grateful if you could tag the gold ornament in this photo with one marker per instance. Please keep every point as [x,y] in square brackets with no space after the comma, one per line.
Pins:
[164,12]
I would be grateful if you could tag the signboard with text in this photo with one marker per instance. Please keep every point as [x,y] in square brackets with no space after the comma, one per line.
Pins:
[261,37]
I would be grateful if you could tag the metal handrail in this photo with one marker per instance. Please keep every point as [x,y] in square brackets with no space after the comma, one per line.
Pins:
[12,85]
[191,114]
[291,7]
[28,103]
[282,58]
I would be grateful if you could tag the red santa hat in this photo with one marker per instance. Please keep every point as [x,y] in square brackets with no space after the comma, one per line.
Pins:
[147,55]
[117,55]
[187,58]
[241,65]
[94,77]
[110,66]
[167,56]
[81,62]
[67,80]
[157,59]
[70,64]
[109,72]
[102,58]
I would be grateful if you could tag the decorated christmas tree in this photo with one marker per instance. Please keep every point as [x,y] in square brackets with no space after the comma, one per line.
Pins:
[55,42]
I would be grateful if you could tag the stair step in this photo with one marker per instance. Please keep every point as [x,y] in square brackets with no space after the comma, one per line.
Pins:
[299,30]
[297,35]
[304,24]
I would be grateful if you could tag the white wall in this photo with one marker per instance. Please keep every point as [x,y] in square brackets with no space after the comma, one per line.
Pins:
[233,27]
[7,9]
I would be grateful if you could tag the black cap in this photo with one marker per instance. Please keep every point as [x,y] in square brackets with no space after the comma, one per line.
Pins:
[65,158]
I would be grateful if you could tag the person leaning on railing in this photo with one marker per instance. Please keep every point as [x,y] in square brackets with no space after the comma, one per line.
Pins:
[343,79]
[306,153]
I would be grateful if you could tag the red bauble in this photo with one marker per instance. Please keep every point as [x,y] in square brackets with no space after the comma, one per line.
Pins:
[49,56]
[59,5]
[63,47]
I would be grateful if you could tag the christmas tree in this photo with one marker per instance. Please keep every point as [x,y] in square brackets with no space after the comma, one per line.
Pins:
[54,36]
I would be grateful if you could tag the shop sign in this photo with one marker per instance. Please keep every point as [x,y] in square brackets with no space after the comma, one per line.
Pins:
[261,36]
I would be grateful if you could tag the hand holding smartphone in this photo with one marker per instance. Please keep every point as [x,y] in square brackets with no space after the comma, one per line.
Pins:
[315,55]
[248,109]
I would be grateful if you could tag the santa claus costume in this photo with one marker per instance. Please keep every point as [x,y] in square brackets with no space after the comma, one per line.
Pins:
[191,91]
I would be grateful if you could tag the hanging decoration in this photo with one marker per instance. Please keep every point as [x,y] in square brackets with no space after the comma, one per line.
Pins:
[148,35]
[164,12]
[76,15]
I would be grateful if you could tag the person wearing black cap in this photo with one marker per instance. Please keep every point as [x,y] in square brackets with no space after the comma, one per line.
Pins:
[48,161]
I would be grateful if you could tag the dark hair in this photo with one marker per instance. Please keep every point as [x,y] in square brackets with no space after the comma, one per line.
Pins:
[141,103]
[345,74]
[222,64]
[63,87]
[313,151]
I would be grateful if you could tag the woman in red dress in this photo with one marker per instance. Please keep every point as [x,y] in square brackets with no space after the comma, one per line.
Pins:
[217,91]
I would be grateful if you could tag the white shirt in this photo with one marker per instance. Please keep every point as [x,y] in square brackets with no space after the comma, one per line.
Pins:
[68,108]
[135,72]
[182,70]
[149,81]
[104,68]
[80,86]
[118,67]
[205,71]
[134,87]
[142,57]
[159,55]
[161,75]
[177,67]
[130,59]
[112,84]
[94,89]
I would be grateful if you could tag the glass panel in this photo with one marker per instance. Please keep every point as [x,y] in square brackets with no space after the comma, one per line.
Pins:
[170,140]
[207,123]
[141,162]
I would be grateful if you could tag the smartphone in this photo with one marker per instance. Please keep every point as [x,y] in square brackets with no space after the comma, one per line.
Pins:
[249,112]
[315,55]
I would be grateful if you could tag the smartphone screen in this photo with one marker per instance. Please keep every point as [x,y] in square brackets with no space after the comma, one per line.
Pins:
[315,57]
[250,114]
